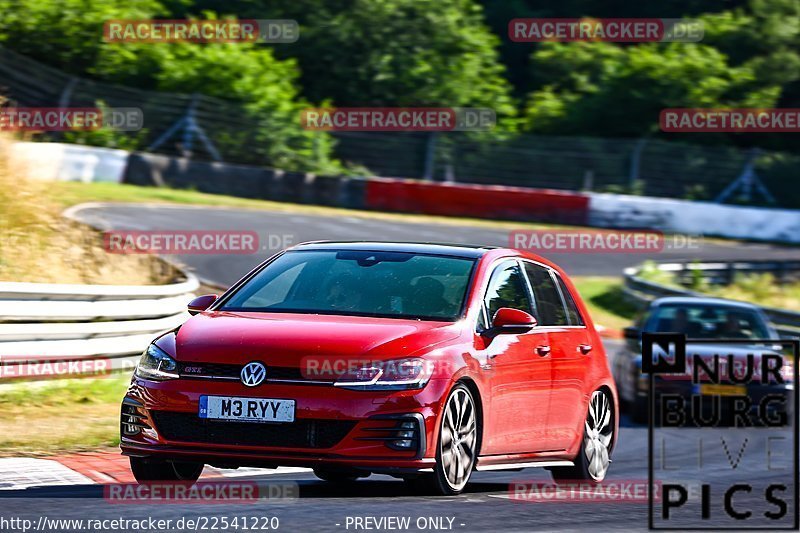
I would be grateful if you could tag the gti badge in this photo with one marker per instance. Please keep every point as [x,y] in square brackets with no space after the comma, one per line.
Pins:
[253,374]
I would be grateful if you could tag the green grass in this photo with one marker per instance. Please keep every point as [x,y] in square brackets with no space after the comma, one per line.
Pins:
[603,296]
[46,417]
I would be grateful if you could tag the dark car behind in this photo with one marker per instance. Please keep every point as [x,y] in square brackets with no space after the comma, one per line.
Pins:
[712,327]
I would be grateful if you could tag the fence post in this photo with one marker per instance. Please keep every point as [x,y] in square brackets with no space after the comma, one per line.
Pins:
[190,129]
[588,180]
[746,181]
[636,159]
[66,94]
[430,156]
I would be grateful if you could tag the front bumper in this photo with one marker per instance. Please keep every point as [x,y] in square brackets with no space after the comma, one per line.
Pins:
[372,430]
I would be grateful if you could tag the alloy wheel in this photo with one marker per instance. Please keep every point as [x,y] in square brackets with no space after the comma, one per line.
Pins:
[458,439]
[598,435]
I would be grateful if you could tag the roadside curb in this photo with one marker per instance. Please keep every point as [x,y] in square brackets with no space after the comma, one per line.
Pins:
[106,466]
[102,467]
[110,466]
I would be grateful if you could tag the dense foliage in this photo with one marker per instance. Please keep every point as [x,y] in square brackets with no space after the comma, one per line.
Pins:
[439,53]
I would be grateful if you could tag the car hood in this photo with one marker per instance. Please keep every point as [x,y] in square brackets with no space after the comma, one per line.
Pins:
[285,338]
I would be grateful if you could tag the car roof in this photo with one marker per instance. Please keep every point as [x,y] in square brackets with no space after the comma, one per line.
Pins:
[696,300]
[455,250]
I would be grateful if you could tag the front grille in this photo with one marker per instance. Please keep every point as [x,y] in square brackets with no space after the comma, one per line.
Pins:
[217,370]
[190,370]
[302,433]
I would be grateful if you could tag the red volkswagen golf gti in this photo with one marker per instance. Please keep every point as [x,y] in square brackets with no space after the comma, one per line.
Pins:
[422,361]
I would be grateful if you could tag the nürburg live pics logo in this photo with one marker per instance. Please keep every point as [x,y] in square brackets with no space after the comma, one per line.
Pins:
[722,433]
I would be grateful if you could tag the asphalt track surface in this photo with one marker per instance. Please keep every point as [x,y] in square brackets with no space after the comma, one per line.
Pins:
[486,505]
[279,227]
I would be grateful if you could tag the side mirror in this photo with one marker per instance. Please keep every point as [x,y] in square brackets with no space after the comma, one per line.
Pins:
[507,320]
[632,333]
[201,303]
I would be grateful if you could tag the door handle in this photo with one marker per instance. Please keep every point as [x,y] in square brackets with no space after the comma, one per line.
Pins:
[584,348]
[543,351]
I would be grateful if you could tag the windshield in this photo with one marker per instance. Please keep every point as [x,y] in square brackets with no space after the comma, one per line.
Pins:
[708,322]
[366,283]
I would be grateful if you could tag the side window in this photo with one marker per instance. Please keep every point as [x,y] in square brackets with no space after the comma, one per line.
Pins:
[507,289]
[549,305]
[572,309]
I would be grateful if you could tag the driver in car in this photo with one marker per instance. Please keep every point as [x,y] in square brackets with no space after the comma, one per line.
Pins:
[732,327]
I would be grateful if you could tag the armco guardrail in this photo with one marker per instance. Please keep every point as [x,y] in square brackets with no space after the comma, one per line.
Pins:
[640,291]
[45,327]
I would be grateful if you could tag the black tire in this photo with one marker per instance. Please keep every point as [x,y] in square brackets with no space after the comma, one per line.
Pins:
[583,470]
[147,470]
[333,475]
[449,477]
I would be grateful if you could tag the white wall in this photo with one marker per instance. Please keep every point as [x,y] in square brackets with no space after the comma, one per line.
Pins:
[71,162]
[683,216]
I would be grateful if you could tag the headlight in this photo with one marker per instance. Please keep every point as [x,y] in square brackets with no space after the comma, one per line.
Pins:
[156,365]
[396,374]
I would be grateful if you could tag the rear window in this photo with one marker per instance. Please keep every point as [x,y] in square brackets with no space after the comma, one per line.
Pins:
[366,283]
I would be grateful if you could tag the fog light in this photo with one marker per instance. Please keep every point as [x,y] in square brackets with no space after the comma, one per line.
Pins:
[411,433]
[407,434]
[133,419]
[399,432]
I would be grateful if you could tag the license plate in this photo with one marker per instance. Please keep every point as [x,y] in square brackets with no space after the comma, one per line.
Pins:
[246,409]
[713,389]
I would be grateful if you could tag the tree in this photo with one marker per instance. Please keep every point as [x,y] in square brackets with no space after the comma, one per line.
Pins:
[609,90]
[66,34]
[403,53]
